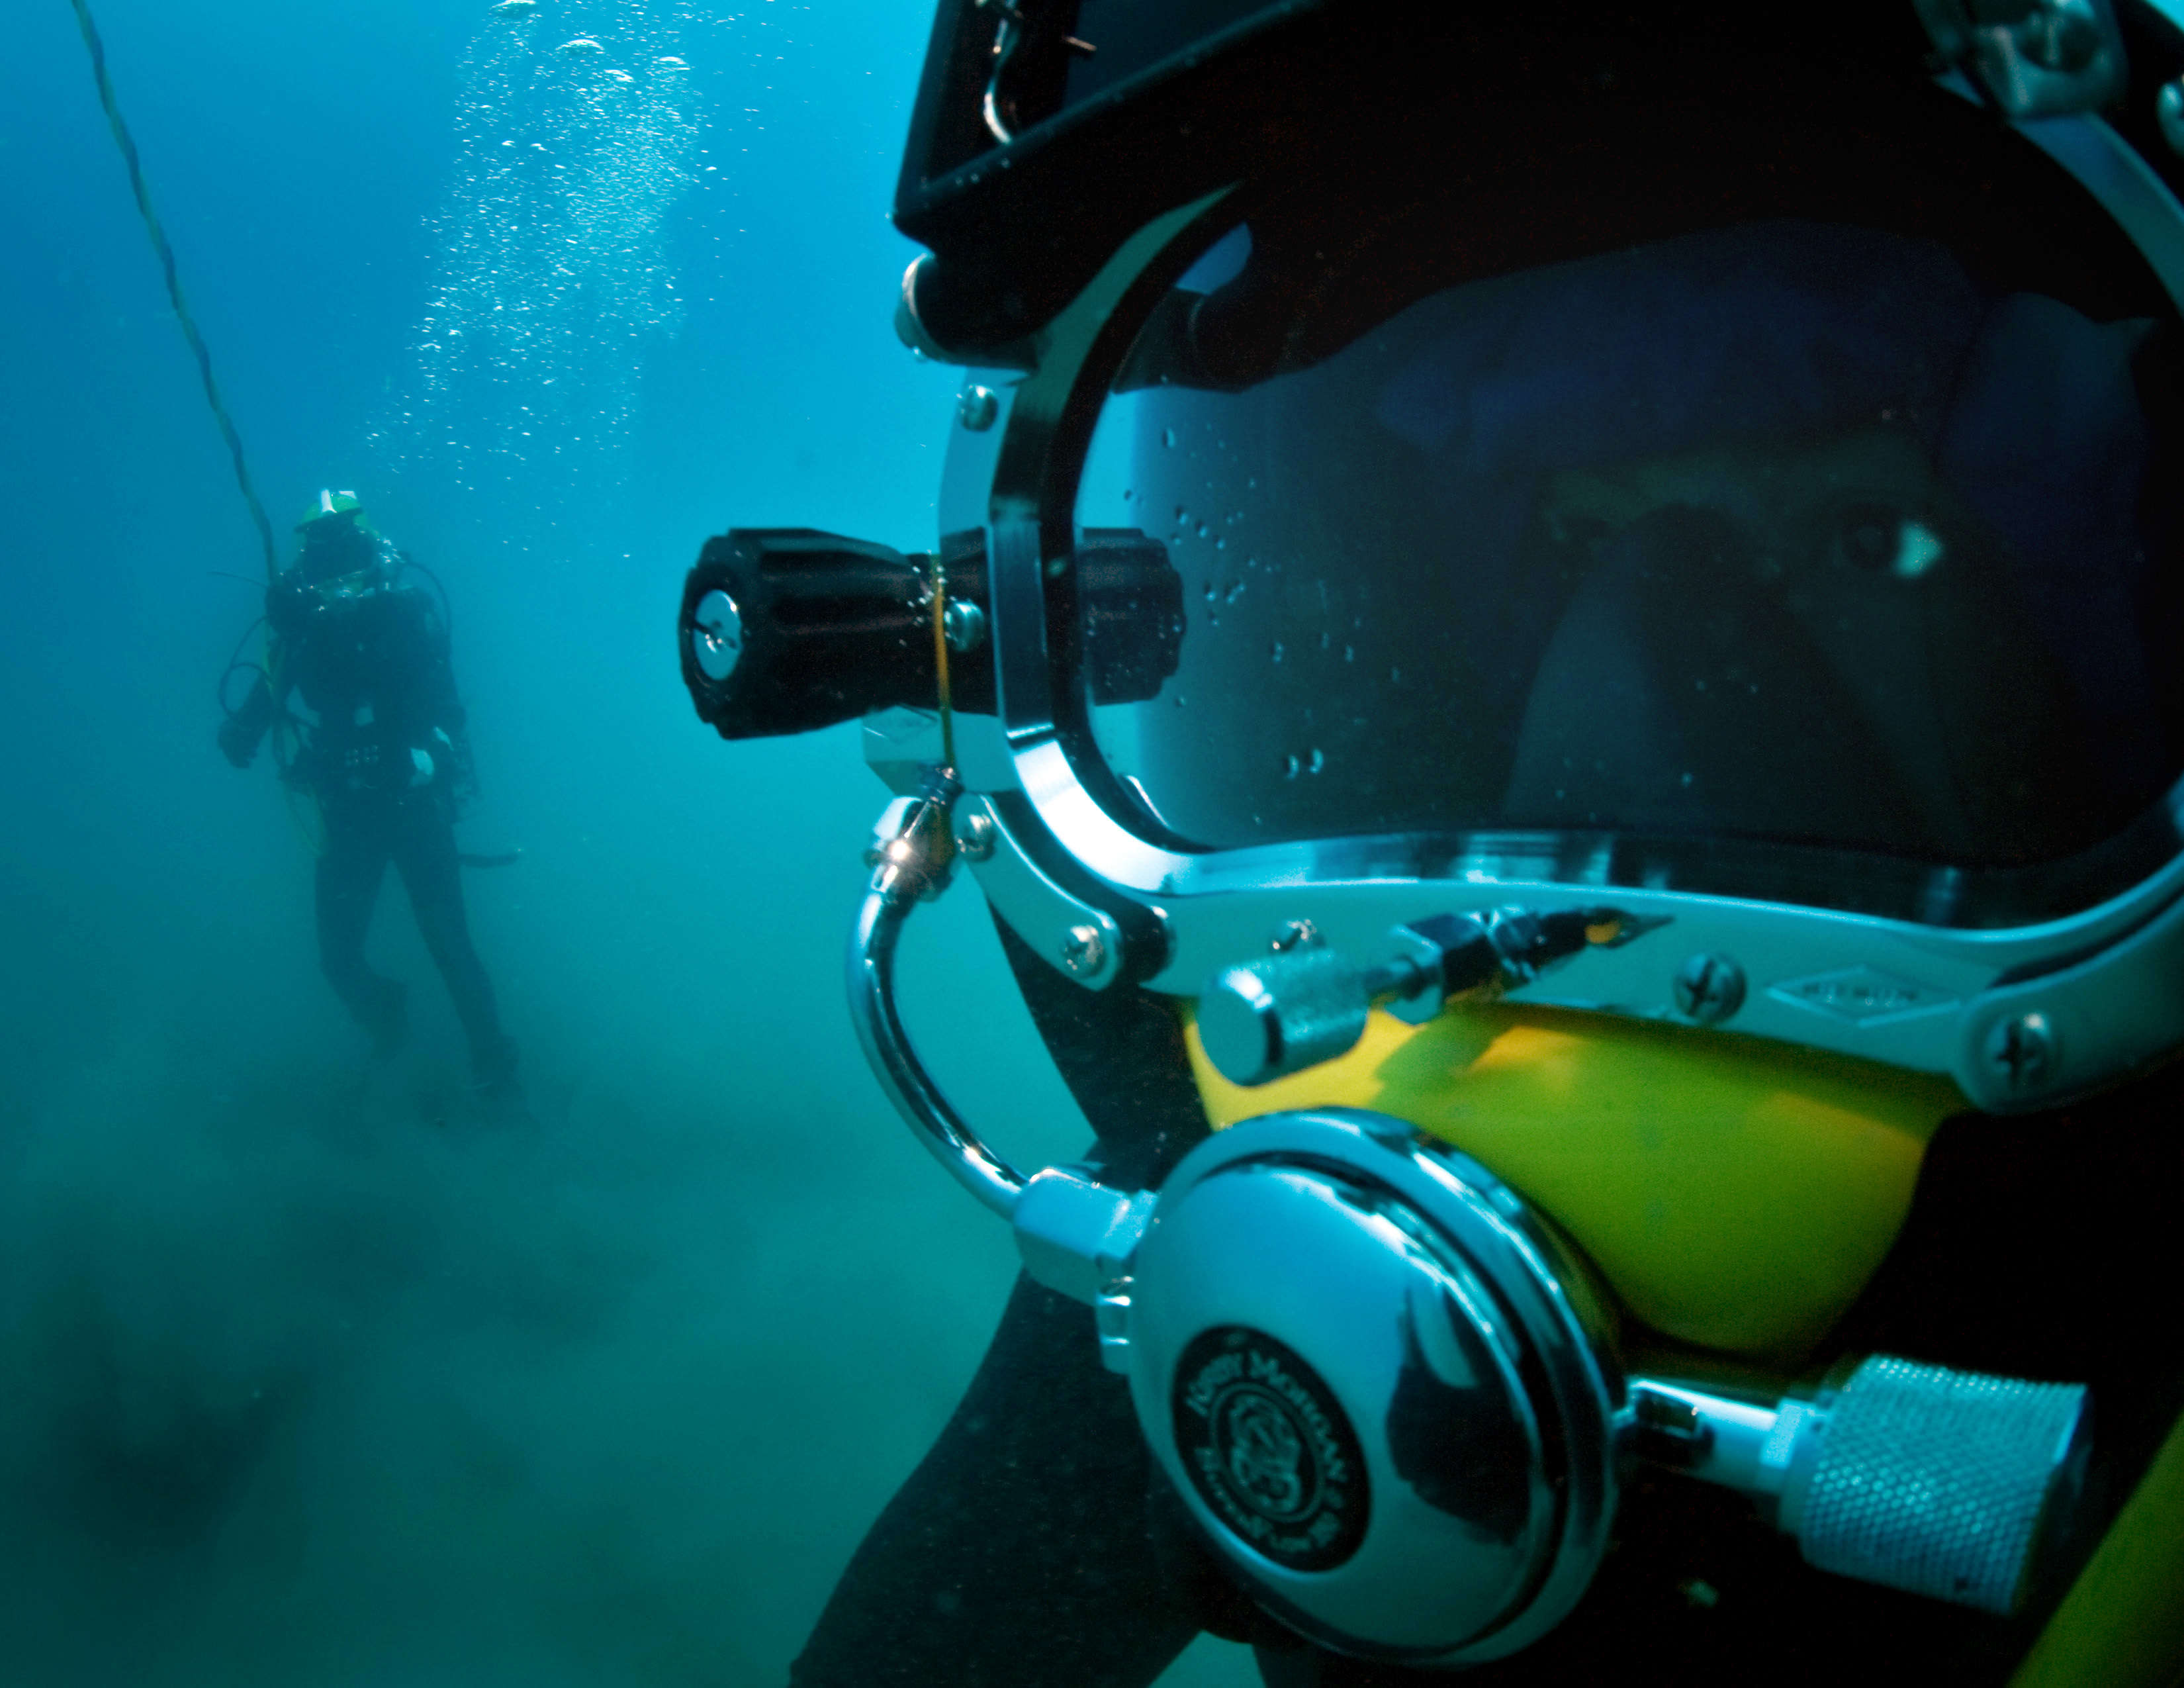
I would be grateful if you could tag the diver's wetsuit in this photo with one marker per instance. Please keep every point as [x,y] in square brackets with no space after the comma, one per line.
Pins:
[1036,1545]
[382,759]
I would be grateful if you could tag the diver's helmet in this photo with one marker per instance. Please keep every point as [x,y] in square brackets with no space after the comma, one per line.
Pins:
[341,560]
[1592,593]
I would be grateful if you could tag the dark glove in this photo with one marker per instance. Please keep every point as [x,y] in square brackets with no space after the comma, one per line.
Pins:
[237,743]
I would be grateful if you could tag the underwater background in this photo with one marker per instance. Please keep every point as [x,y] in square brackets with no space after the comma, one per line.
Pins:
[307,1375]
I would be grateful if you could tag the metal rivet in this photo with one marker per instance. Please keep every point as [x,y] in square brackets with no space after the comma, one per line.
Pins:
[1709,987]
[2168,112]
[2022,1049]
[1294,934]
[1083,950]
[974,836]
[716,635]
[978,408]
[964,624]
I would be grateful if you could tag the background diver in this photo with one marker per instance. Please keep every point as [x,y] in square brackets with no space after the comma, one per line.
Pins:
[381,748]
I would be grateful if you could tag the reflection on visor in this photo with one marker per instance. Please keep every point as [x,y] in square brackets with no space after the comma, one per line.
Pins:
[1781,532]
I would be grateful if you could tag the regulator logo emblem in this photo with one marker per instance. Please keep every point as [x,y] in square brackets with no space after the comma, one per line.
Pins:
[1269,1449]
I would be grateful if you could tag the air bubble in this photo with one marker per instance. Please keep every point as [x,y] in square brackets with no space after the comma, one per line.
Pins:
[550,245]
[1278,651]
[1167,437]
[1290,767]
[1318,760]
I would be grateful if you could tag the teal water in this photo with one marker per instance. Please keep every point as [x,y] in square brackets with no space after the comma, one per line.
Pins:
[305,1377]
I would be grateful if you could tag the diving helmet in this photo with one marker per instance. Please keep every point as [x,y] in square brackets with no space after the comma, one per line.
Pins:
[1592,593]
[341,561]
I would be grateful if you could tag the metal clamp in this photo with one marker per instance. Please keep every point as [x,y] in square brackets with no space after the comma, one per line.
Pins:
[1305,1004]
[1076,1234]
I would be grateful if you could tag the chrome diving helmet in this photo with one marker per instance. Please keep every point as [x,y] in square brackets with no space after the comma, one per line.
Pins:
[1544,574]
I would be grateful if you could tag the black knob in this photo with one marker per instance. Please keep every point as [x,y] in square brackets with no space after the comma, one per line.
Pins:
[787,629]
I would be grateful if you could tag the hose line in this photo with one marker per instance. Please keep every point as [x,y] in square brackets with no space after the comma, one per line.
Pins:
[174,282]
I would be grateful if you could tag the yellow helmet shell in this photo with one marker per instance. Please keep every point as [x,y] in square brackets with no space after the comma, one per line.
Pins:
[1736,1194]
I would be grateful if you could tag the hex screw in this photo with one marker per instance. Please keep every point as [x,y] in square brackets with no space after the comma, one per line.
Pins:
[2023,1050]
[1084,951]
[974,836]
[1709,987]
[978,408]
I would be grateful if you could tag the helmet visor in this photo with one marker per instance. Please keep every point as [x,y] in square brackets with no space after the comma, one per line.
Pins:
[1788,533]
